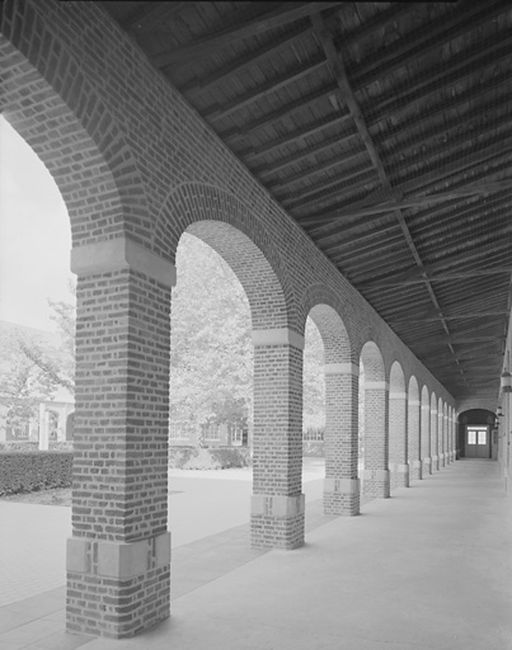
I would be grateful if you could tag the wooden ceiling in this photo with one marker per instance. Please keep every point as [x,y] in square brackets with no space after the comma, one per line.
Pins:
[384,130]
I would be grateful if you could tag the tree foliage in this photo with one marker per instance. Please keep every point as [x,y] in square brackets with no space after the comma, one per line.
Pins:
[211,350]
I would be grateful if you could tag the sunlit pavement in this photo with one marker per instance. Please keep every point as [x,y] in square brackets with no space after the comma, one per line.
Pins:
[428,569]
[202,503]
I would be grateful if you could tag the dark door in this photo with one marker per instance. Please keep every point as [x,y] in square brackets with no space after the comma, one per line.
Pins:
[477,441]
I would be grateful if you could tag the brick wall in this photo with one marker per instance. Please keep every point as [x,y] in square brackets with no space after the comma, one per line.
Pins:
[137,167]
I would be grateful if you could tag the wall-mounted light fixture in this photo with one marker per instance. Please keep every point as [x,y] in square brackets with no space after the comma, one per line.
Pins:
[499,412]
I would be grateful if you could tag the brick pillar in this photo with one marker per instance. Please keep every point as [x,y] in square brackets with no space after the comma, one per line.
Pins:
[426,459]
[440,436]
[450,438]
[413,439]
[434,447]
[277,506]
[454,435]
[446,439]
[118,559]
[398,465]
[341,487]
[376,440]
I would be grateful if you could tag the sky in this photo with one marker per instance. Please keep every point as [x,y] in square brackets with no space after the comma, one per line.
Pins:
[35,236]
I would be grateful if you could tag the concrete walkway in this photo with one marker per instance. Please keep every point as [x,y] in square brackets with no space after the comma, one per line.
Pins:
[430,568]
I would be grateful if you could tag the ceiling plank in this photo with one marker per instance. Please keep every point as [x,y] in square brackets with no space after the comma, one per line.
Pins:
[462,316]
[461,275]
[242,101]
[299,135]
[336,62]
[284,14]
[308,152]
[279,114]
[423,41]
[150,14]
[358,172]
[500,148]
[472,96]
[328,191]
[199,85]
[428,83]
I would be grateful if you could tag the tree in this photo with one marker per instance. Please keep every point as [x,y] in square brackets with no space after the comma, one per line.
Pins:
[211,347]
[57,362]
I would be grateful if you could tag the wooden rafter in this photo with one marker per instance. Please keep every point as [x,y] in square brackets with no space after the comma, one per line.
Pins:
[329,190]
[279,114]
[309,152]
[241,63]
[463,316]
[471,96]
[285,14]
[359,172]
[422,42]
[461,67]
[436,277]
[150,14]
[336,62]
[291,76]
[298,136]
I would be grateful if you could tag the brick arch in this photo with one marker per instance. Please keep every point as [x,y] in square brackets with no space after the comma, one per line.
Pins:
[413,428]
[413,392]
[373,406]
[59,115]
[396,378]
[373,362]
[425,452]
[323,308]
[229,227]
[397,427]
[434,442]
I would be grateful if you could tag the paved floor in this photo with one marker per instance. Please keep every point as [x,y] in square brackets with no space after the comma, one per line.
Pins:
[430,568]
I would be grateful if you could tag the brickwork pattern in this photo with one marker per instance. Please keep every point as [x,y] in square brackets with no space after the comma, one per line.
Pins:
[341,444]
[434,443]
[376,420]
[277,442]
[413,431]
[440,433]
[426,457]
[132,160]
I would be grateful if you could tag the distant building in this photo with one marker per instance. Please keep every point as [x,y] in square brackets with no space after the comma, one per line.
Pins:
[51,418]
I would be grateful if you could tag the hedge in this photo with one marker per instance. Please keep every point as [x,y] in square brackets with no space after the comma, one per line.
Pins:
[28,471]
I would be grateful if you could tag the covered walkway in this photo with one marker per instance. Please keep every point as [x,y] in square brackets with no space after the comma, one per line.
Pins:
[428,568]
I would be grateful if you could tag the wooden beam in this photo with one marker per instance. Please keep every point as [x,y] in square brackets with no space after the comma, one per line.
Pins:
[285,14]
[420,201]
[421,42]
[440,277]
[471,96]
[299,135]
[308,152]
[338,69]
[358,173]
[463,316]
[292,34]
[339,72]
[501,148]
[150,14]
[278,114]
[291,76]
[463,65]
[256,56]
[322,226]
[328,191]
